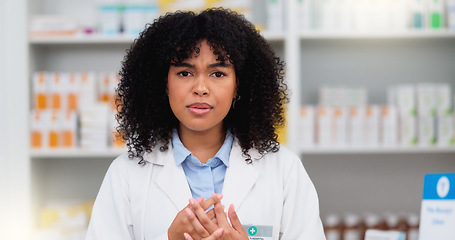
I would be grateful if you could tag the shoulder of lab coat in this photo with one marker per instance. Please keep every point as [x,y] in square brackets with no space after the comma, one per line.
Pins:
[111,216]
[301,219]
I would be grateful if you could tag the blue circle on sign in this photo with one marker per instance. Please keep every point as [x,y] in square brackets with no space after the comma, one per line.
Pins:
[443,187]
[252,230]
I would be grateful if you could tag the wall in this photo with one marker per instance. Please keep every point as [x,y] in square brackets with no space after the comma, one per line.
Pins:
[14,162]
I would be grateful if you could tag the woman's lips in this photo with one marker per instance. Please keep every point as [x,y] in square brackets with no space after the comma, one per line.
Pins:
[199,108]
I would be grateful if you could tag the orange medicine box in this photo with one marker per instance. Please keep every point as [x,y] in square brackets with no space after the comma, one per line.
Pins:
[71,82]
[55,129]
[107,83]
[40,90]
[39,128]
[56,88]
[69,129]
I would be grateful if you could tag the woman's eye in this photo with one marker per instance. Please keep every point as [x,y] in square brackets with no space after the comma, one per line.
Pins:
[184,74]
[218,74]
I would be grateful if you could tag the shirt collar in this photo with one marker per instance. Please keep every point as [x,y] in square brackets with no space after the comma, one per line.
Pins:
[181,153]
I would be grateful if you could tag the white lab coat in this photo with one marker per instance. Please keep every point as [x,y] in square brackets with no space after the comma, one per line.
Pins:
[140,202]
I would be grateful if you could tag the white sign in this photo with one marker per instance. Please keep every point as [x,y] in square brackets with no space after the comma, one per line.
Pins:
[437,216]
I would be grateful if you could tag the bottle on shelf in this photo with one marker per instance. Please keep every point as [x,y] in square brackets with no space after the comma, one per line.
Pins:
[436,11]
[396,223]
[332,227]
[413,227]
[352,229]
[372,221]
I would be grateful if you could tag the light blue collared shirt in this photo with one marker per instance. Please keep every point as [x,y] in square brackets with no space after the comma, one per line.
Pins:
[203,179]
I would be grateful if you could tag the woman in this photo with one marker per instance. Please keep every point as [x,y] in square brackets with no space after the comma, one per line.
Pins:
[200,98]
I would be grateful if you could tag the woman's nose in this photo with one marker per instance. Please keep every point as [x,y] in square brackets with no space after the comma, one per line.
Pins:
[200,87]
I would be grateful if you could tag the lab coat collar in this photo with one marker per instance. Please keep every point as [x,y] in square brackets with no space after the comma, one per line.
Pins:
[171,179]
[238,182]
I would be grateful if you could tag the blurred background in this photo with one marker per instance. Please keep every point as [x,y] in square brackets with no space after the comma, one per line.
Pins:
[371,112]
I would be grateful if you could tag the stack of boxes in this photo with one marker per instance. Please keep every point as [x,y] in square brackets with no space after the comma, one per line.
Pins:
[406,104]
[130,17]
[426,116]
[73,110]
[127,17]
[376,15]
[416,115]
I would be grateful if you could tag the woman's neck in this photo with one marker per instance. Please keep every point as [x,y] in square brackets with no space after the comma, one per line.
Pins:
[202,144]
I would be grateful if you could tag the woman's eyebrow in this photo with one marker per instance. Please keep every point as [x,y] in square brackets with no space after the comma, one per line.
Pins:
[213,65]
[219,64]
[183,64]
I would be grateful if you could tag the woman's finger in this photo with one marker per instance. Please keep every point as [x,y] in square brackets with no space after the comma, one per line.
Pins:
[235,221]
[203,218]
[196,224]
[221,216]
[211,214]
[215,235]
[187,236]
[211,201]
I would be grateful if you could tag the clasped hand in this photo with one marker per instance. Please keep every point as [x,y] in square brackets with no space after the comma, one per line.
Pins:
[194,223]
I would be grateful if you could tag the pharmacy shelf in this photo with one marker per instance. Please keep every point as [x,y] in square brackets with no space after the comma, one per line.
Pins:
[120,39]
[76,153]
[318,150]
[81,39]
[410,34]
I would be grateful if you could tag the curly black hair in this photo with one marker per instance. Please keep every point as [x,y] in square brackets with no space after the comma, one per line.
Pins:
[144,114]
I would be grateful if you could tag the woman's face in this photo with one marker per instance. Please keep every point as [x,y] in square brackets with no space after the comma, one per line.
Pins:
[201,90]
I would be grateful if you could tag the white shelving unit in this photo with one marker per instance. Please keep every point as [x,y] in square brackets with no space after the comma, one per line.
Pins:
[75,173]
[76,153]
[375,150]
[410,34]
[122,39]
[81,39]
[349,179]
[15,170]
[378,180]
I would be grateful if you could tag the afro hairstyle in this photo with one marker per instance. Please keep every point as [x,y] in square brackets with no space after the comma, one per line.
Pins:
[144,115]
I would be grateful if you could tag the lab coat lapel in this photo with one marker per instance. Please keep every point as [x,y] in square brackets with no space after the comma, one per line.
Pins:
[172,180]
[240,177]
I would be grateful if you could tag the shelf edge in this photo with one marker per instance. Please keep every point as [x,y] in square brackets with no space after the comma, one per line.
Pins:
[76,153]
[410,34]
[120,39]
[375,150]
